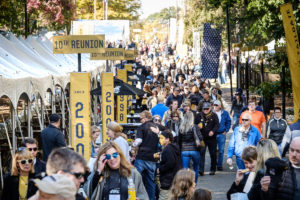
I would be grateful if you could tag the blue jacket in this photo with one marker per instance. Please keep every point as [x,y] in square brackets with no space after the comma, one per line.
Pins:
[236,144]
[159,109]
[225,123]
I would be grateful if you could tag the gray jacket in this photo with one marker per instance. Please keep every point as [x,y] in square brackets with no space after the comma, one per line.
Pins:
[140,190]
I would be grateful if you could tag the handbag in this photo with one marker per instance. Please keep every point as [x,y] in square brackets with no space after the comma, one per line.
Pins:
[199,143]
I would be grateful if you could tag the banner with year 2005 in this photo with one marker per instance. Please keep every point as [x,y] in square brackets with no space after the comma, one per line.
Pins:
[107,102]
[80,113]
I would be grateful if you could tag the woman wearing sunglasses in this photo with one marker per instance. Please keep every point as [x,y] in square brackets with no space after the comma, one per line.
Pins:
[113,175]
[16,184]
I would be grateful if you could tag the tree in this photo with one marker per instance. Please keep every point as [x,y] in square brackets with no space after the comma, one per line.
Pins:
[164,15]
[117,9]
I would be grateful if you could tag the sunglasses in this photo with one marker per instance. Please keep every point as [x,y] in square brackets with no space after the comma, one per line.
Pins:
[32,149]
[216,105]
[23,162]
[175,116]
[205,108]
[78,175]
[245,120]
[20,149]
[114,155]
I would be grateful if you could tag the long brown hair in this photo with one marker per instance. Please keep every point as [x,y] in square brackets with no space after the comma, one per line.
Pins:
[22,154]
[182,185]
[125,167]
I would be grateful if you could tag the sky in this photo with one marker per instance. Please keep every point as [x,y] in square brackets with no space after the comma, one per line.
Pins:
[152,6]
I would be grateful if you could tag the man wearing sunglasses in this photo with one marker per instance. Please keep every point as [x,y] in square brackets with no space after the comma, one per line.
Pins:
[243,136]
[67,162]
[208,123]
[32,145]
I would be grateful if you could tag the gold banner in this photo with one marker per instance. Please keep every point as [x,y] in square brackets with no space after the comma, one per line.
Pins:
[109,54]
[122,99]
[129,55]
[78,44]
[80,113]
[107,107]
[293,52]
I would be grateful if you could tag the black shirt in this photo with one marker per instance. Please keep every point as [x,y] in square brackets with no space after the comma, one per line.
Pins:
[149,144]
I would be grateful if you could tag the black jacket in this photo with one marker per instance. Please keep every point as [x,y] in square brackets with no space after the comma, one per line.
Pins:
[52,138]
[11,187]
[187,141]
[169,165]
[207,123]
[276,129]
[150,141]
[237,188]
[171,97]
[39,167]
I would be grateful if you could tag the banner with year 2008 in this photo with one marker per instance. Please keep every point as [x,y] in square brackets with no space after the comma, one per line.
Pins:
[80,113]
[107,102]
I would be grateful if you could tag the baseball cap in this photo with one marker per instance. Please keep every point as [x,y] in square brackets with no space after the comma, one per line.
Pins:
[217,102]
[57,184]
[54,117]
[206,105]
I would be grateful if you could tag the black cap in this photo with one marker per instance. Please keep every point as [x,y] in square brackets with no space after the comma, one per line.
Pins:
[54,118]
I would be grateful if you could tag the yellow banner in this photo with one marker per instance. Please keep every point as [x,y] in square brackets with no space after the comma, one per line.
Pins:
[78,44]
[293,51]
[122,99]
[80,113]
[109,54]
[129,55]
[107,107]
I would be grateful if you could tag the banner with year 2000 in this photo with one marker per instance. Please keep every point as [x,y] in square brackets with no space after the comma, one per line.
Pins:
[107,102]
[80,113]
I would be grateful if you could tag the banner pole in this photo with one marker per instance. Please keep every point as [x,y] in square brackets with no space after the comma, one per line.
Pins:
[79,62]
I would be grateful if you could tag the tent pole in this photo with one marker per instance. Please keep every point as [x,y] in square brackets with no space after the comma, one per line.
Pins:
[63,112]
[29,118]
[8,139]
[42,112]
[13,119]
[1,172]
[52,103]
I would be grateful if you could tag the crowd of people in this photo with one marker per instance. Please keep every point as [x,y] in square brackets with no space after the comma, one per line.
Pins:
[182,115]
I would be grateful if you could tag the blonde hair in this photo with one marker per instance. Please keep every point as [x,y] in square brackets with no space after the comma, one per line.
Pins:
[187,123]
[266,149]
[21,155]
[182,185]
[146,114]
[116,128]
[94,129]
[125,167]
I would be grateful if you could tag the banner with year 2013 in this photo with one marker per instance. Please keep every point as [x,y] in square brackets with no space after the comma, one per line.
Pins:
[80,113]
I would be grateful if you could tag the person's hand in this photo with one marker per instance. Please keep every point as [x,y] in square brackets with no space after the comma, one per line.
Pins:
[265,182]
[157,171]
[229,161]
[211,133]
[224,133]
[101,163]
[239,176]
[156,155]
[155,129]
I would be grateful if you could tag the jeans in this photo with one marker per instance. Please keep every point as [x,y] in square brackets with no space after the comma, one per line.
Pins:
[195,156]
[212,148]
[240,163]
[236,120]
[147,170]
[221,139]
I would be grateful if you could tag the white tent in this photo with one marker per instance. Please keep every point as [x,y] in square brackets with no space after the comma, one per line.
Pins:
[29,66]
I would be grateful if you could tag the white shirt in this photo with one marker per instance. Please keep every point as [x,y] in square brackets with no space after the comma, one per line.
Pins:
[219,115]
[123,145]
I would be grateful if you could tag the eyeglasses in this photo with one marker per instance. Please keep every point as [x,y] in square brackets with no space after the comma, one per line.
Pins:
[32,149]
[216,105]
[175,116]
[114,155]
[78,175]
[23,162]
[245,120]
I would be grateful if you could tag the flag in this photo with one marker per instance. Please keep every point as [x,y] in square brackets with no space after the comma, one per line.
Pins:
[210,52]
